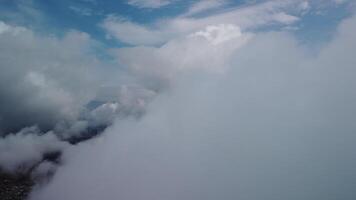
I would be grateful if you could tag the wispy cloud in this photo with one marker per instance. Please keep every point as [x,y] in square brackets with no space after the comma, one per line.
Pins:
[249,17]
[149,3]
[205,5]
[82,11]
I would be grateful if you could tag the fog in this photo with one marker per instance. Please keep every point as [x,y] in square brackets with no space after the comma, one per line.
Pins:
[270,121]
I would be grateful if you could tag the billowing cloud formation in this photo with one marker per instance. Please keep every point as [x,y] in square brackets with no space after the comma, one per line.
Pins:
[55,85]
[24,151]
[219,34]
[157,68]
[43,79]
[48,82]
[278,123]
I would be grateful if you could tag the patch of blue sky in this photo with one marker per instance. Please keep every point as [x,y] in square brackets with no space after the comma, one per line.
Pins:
[319,26]
[86,16]
[58,17]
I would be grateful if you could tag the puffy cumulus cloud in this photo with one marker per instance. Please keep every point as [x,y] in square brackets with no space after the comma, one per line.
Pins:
[149,3]
[158,67]
[219,34]
[247,18]
[24,151]
[278,124]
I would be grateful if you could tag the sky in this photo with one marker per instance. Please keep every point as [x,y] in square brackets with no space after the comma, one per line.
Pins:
[316,19]
[184,99]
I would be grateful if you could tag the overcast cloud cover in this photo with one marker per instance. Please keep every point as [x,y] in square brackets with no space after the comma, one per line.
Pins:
[218,102]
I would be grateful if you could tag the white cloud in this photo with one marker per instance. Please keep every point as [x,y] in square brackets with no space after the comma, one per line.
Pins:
[278,124]
[149,3]
[242,112]
[304,5]
[205,5]
[249,17]
[132,33]
[81,11]
[206,50]
[127,101]
[3,27]
[52,79]
[285,18]
[47,82]
[219,34]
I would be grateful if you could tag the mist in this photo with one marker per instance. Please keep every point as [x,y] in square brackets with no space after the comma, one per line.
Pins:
[267,120]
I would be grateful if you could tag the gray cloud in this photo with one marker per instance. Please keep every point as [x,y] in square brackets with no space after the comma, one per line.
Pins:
[46,80]
[43,79]
[55,90]
[23,151]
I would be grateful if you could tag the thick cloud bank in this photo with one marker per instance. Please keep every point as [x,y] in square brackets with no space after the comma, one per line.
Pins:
[48,81]
[276,123]
[54,88]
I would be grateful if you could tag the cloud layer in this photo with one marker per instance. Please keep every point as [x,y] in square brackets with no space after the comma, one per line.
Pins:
[215,103]
[277,123]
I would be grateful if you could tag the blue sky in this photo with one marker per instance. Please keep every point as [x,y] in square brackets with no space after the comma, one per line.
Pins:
[315,24]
